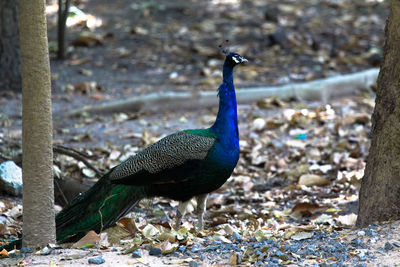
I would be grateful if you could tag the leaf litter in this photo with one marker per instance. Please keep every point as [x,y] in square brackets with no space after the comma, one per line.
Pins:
[289,201]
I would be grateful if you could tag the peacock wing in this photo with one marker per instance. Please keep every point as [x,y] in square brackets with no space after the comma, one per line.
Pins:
[171,159]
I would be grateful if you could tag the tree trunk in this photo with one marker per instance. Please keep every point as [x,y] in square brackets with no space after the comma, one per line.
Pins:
[63,11]
[37,159]
[380,188]
[10,66]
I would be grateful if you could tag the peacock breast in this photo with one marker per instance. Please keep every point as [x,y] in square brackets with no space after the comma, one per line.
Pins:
[223,158]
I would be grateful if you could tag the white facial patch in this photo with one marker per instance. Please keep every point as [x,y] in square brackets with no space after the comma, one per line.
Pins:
[236,60]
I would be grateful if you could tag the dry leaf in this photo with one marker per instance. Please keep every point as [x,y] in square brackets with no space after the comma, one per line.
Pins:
[87,39]
[312,179]
[150,231]
[167,236]
[128,224]
[306,209]
[104,240]
[234,259]
[302,236]
[347,220]
[90,238]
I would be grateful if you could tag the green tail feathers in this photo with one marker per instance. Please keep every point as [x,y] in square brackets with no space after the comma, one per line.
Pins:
[98,208]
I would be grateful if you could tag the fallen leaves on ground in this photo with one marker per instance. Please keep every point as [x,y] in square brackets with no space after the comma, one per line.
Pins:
[294,179]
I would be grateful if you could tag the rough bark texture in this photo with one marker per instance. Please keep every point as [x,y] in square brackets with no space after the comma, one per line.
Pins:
[10,66]
[37,162]
[380,189]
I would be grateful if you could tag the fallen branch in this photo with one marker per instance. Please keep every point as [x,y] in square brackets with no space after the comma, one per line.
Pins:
[4,158]
[83,154]
[16,159]
[323,89]
[78,156]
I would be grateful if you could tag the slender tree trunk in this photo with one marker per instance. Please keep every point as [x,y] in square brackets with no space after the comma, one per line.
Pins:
[10,66]
[37,159]
[63,11]
[380,189]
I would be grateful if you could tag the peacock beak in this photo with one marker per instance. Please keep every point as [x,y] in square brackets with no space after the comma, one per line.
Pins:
[242,60]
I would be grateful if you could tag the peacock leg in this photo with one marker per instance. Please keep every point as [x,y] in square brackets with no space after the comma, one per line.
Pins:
[180,212]
[201,208]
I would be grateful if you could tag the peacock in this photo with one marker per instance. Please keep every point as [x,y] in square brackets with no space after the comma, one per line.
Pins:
[180,166]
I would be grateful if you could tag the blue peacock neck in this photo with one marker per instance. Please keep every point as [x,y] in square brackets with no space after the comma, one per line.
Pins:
[226,123]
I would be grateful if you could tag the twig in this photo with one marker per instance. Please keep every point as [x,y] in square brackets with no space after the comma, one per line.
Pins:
[61,192]
[76,155]
[101,215]
[83,154]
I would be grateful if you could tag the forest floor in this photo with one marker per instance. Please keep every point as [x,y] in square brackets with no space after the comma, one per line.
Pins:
[292,200]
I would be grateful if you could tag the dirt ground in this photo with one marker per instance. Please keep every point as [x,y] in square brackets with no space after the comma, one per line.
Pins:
[74,257]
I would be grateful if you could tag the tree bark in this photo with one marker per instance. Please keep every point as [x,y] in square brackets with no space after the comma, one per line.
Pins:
[380,188]
[37,159]
[10,65]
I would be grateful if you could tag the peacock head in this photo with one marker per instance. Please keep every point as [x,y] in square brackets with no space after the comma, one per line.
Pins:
[234,59]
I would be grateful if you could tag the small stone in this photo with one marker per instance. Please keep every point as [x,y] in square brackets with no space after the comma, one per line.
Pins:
[193,264]
[229,229]
[136,254]
[212,248]
[196,247]
[236,236]
[97,260]
[173,75]
[258,124]
[13,255]
[182,249]
[271,14]
[370,232]
[11,178]
[361,233]
[155,251]
[294,248]
[362,257]
[25,250]
[278,253]
[388,246]
[45,251]
[356,242]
